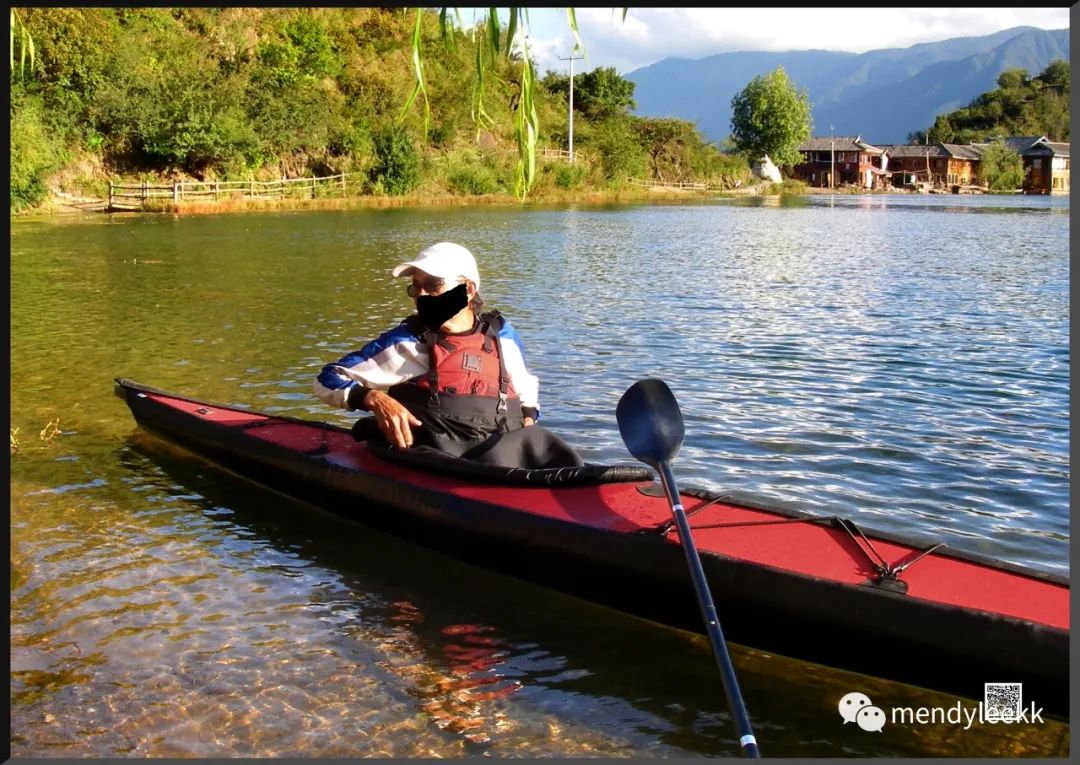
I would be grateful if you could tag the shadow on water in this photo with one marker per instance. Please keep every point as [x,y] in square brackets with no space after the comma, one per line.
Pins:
[480,643]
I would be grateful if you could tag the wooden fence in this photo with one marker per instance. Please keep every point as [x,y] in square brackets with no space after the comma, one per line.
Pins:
[557,154]
[665,185]
[134,196]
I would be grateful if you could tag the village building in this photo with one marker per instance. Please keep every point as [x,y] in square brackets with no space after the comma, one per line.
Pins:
[938,165]
[830,161]
[1046,163]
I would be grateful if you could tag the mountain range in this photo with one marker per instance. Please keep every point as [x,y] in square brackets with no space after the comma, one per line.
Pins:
[881,95]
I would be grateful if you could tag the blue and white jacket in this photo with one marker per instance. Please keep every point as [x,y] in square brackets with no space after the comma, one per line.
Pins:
[399,355]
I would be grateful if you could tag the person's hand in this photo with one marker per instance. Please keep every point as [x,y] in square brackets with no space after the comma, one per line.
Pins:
[394,420]
[527,421]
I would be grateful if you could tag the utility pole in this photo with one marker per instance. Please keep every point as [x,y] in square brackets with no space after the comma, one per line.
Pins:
[571,58]
[832,158]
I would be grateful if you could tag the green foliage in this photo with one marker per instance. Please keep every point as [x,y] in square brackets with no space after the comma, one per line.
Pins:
[1001,168]
[243,92]
[602,93]
[167,104]
[771,116]
[598,95]
[622,152]
[470,172]
[671,145]
[396,165]
[726,171]
[787,187]
[1021,105]
[1056,76]
[35,151]
[1012,79]
[302,51]
[569,176]
[473,180]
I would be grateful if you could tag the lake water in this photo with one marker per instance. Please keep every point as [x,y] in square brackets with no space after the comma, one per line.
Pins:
[902,361]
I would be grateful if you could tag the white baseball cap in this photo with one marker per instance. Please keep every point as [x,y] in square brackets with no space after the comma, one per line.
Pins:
[444,260]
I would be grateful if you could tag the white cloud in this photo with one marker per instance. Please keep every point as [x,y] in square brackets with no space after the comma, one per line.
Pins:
[650,34]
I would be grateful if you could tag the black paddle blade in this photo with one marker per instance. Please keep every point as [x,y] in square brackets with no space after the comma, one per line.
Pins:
[650,421]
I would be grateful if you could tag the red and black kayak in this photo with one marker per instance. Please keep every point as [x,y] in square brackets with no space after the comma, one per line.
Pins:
[808,586]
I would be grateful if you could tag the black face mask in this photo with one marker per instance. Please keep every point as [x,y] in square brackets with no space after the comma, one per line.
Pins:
[434,310]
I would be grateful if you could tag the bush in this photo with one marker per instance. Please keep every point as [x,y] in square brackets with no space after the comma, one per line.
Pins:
[35,153]
[727,171]
[622,154]
[570,176]
[473,180]
[396,166]
[789,186]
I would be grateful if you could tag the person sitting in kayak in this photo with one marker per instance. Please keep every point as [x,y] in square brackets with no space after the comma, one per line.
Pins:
[449,377]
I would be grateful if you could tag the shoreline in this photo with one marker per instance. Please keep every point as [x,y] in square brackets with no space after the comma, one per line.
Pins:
[65,205]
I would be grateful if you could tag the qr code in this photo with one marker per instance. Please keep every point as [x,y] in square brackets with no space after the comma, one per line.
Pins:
[1003,700]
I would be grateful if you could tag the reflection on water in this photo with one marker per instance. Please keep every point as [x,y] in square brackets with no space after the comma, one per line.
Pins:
[877,357]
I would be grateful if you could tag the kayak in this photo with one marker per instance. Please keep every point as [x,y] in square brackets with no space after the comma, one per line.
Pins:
[808,586]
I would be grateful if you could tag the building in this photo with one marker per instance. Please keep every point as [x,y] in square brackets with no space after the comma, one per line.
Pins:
[1046,163]
[939,165]
[830,161]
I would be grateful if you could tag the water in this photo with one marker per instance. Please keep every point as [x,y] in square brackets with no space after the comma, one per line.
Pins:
[902,361]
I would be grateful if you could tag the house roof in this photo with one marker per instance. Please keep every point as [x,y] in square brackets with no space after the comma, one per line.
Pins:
[1030,145]
[914,150]
[958,151]
[1021,144]
[1054,147]
[838,143]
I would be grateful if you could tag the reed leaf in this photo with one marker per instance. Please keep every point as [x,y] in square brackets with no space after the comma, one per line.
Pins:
[493,28]
[479,114]
[571,19]
[418,68]
[19,32]
[511,28]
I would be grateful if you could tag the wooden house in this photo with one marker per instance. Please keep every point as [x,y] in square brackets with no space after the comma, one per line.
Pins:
[830,161]
[938,165]
[1046,163]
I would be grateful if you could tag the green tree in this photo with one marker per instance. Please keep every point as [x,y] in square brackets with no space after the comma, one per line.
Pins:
[667,142]
[396,166]
[1020,105]
[1001,168]
[622,154]
[771,116]
[602,93]
[1056,75]
[1012,79]
[34,151]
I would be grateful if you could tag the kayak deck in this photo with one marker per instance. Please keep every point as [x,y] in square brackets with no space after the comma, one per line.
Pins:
[755,535]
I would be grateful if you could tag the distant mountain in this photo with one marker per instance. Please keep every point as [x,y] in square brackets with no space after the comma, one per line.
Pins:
[882,95]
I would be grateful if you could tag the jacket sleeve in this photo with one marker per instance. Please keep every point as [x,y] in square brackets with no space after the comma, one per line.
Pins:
[526,384]
[393,357]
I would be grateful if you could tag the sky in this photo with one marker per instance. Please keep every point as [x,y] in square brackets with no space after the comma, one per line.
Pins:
[648,35]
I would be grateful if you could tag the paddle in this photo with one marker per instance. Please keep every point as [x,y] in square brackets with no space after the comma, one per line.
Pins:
[652,429]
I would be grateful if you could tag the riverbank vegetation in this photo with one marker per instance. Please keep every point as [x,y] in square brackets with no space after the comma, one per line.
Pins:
[164,94]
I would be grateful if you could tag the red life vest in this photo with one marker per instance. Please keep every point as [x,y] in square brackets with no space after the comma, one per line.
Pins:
[468,365]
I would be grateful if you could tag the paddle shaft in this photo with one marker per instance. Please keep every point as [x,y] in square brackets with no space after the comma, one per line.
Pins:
[708,612]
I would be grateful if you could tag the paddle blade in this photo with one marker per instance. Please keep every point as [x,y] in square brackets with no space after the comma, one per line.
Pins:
[650,421]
